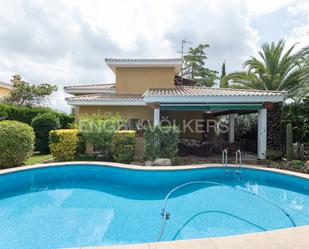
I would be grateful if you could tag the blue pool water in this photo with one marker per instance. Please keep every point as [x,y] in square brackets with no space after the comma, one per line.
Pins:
[89,205]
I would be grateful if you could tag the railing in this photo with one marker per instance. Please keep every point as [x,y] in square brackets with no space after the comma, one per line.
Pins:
[224,158]
[249,145]
[166,215]
[238,159]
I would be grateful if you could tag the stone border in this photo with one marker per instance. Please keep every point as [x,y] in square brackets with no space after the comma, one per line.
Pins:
[289,238]
[151,168]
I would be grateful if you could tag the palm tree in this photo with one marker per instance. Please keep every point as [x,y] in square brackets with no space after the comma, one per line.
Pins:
[275,69]
[303,55]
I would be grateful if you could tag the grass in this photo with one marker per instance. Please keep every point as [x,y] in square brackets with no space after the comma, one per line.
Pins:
[37,158]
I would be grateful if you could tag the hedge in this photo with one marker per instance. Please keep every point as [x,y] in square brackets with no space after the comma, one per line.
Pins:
[161,142]
[42,125]
[25,114]
[123,146]
[63,144]
[16,143]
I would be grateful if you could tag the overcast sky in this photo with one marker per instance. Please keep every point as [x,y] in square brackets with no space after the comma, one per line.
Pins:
[65,42]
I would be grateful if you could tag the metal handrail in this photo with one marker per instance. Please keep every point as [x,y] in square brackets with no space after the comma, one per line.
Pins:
[224,158]
[238,152]
[166,215]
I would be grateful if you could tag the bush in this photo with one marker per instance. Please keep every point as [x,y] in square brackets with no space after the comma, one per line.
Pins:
[26,114]
[123,146]
[63,144]
[161,142]
[298,164]
[98,131]
[297,114]
[274,155]
[42,125]
[16,143]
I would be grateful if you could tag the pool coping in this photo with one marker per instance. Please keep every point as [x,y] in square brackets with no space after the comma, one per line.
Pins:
[288,238]
[151,168]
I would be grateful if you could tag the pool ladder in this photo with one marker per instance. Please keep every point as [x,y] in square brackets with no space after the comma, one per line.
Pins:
[224,158]
[238,160]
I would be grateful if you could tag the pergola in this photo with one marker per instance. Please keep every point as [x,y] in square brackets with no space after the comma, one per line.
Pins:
[220,102]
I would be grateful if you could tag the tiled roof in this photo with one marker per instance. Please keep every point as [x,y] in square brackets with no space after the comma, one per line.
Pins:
[176,63]
[207,91]
[103,86]
[143,60]
[107,97]
[178,91]
[7,85]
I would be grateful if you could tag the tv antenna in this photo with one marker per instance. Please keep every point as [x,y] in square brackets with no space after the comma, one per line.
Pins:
[183,42]
[182,52]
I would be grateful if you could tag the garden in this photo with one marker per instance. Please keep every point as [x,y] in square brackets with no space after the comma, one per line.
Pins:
[53,136]
[95,138]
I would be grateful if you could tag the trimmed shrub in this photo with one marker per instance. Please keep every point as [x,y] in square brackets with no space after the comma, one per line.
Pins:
[16,143]
[42,125]
[161,142]
[26,114]
[98,131]
[63,144]
[123,146]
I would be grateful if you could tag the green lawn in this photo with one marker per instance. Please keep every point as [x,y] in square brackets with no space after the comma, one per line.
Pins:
[36,158]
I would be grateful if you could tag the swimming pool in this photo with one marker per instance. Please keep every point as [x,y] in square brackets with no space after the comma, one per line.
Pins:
[89,205]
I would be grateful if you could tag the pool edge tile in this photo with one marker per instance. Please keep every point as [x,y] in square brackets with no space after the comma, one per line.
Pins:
[184,244]
[133,246]
[247,241]
[292,238]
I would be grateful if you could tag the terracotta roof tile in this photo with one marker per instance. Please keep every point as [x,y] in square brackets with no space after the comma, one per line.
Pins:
[143,60]
[103,86]
[107,97]
[207,91]
[7,85]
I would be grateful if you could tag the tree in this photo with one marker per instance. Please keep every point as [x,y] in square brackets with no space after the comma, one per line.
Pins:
[274,69]
[223,83]
[303,55]
[42,124]
[24,93]
[194,66]
[98,131]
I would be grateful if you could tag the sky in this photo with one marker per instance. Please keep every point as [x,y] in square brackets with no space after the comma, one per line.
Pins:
[65,42]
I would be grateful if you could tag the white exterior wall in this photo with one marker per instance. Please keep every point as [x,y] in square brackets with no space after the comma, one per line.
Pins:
[156,116]
[262,133]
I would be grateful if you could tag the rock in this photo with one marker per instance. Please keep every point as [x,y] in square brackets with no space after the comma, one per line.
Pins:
[148,163]
[307,164]
[162,162]
[137,163]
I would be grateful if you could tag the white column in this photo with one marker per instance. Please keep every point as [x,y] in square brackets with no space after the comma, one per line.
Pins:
[156,116]
[231,128]
[262,133]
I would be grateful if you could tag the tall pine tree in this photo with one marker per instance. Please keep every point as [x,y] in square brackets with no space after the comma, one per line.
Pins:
[223,84]
[194,67]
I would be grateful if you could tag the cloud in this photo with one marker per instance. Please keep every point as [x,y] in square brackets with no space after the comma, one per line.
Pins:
[65,42]
[226,30]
